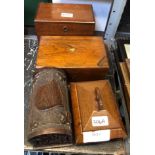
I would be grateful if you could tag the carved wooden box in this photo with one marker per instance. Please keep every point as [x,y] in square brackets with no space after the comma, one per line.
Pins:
[95,112]
[64,19]
[82,57]
[49,114]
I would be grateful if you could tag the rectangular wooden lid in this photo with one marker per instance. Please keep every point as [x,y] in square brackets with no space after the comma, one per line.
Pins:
[56,12]
[88,104]
[72,52]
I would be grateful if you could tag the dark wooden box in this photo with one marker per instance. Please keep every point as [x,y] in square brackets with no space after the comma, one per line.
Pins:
[95,112]
[82,57]
[49,121]
[64,19]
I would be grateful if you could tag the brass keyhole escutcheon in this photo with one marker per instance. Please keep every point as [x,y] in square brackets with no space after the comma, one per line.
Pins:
[72,49]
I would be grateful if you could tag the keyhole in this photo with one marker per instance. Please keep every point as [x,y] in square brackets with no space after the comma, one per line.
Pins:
[65,28]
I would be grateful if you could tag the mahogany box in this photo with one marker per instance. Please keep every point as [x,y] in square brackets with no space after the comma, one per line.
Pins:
[64,19]
[95,113]
[82,57]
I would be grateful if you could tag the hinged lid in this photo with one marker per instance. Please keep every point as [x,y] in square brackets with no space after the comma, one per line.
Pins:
[72,52]
[80,13]
[95,109]
[99,99]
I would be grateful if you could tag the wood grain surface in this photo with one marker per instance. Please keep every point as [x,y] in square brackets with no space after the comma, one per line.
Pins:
[83,58]
[84,107]
[126,82]
[49,113]
[127,61]
[78,19]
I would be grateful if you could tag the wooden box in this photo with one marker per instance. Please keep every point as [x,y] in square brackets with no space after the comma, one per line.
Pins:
[95,112]
[49,112]
[64,19]
[82,57]
[125,72]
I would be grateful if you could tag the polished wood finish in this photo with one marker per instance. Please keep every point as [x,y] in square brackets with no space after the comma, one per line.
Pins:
[82,57]
[125,68]
[95,98]
[49,114]
[64,19]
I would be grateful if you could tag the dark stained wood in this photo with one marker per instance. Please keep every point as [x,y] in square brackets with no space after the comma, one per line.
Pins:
[49,115]
[50,21]
[47,93]
[85,105]
[83,58]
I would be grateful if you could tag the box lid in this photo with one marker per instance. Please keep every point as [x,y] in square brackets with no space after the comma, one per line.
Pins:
[72,52]
[95,109]
[87,97]
[56,12]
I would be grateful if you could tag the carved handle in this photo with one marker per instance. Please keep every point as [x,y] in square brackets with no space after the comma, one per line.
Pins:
[99,98]
[65,28]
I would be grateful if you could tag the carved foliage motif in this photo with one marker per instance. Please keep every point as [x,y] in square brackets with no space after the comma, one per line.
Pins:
[49,107]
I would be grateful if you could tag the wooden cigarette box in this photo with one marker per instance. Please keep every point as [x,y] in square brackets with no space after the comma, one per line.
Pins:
[64,19]
[95,112]
[82,57]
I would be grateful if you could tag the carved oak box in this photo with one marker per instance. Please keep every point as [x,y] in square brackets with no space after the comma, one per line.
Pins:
[95,113]
[49,113]
[82,57]
[64,19]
